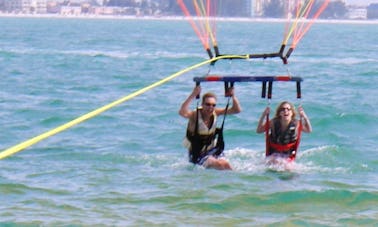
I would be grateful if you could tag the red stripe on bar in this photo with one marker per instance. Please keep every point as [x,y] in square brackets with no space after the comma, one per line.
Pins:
[213,78]
[283,78]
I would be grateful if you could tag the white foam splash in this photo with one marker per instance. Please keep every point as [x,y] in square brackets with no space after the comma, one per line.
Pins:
[249,160]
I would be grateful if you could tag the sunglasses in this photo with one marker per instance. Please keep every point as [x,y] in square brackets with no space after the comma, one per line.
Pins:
[210,104]
[285,108]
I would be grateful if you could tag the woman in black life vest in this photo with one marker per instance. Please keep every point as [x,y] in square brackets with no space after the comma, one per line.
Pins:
[284,130]
[201,142]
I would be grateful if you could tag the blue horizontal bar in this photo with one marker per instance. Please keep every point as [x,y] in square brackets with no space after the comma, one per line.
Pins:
[216,78]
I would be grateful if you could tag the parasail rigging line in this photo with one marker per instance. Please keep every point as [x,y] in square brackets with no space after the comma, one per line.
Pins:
[204,25]
[296,28]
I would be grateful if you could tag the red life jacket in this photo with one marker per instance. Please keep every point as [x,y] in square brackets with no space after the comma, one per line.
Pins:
[289,149]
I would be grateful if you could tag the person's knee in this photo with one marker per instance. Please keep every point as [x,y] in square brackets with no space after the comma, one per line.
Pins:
[225,165]
[219,164]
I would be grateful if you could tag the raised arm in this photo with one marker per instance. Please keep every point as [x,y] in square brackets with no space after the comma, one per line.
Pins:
[261,125]
[236,108]
[306,124]
[184,110]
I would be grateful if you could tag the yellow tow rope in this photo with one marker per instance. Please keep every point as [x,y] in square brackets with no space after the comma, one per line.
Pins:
[21,146]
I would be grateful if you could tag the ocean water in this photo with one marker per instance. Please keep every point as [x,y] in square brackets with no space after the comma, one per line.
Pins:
[127,166]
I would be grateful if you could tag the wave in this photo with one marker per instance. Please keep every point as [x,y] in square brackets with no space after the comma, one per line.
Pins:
[150,55]
[346,61]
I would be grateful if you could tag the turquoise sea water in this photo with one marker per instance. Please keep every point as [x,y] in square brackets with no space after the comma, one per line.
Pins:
[127,167]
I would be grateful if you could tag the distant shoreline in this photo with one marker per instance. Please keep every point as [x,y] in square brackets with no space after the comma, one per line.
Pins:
[122,17]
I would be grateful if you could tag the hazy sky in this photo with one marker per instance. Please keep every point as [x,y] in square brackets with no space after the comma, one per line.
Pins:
[349,2]
[360,2]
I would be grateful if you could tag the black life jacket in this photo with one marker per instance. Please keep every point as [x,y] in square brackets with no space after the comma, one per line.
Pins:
[283,136]
[199,143]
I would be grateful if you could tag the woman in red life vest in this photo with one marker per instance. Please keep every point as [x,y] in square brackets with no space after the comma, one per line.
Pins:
[284,130]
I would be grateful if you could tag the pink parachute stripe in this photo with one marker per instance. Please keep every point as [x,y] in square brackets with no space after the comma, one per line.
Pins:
[304,30]
[194,25]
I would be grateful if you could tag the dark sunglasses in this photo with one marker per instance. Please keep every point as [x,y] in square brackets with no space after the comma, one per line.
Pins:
[284,108]
[210,104]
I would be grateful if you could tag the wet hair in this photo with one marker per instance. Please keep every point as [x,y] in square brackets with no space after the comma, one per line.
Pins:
[208,95]
[278,110]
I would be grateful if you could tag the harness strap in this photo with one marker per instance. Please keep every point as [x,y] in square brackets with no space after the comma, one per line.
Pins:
[267,140]
[225,113]
[220,141]
[196,126]
[283,147]
[298,141]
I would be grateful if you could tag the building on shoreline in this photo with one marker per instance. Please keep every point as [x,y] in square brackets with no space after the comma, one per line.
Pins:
[357,13]
[159,8]
[372,11]
[24,6]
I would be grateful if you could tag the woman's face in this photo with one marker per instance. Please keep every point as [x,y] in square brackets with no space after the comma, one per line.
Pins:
[286,112]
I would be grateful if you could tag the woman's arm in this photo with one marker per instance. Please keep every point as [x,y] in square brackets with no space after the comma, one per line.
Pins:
[306,124]
[261,125]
